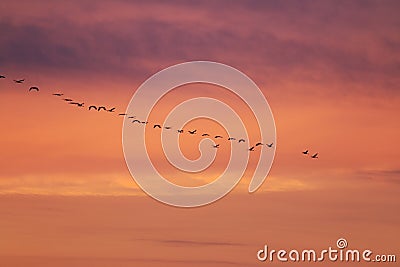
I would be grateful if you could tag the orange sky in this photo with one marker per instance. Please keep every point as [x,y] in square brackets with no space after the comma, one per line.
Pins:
[329,72]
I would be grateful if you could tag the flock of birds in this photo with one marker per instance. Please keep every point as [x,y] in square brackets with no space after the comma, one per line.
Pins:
[155,126]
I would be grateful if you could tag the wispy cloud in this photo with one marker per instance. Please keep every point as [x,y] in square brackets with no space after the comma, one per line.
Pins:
[176,242]
[323,41]
[386,176]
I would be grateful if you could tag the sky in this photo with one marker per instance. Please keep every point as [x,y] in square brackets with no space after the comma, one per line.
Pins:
[330,73]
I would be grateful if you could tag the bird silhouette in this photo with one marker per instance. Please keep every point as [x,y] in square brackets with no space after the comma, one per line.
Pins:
[305,152]
[76,103]
[113,109]
[315,156]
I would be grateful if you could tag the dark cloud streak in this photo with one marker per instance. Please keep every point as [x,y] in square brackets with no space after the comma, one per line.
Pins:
[145,44]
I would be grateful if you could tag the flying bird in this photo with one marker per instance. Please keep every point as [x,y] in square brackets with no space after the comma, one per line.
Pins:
[138,121]
[315,156]
[216,146]
[131,117]
[156,126]
[205,134]
[217,136]
[122,114]
[259,144]
[100,108]
[231,138]
[144,122]
[305,152]
[34,88]
[180,131]
[95,108]
[67,99]
[241,141]
[168,127]
[192,132]
[270,145]
[111,110]
[58,94]
[251,148]
[2,77]
[19,81]
[76,103]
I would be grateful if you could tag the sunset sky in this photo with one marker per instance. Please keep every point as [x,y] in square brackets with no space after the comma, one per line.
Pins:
[330,71]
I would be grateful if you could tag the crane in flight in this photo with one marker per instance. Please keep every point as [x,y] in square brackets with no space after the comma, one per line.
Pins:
[35,88]
[19,81]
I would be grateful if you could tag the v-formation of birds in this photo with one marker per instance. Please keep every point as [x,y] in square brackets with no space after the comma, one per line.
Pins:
[155,126]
